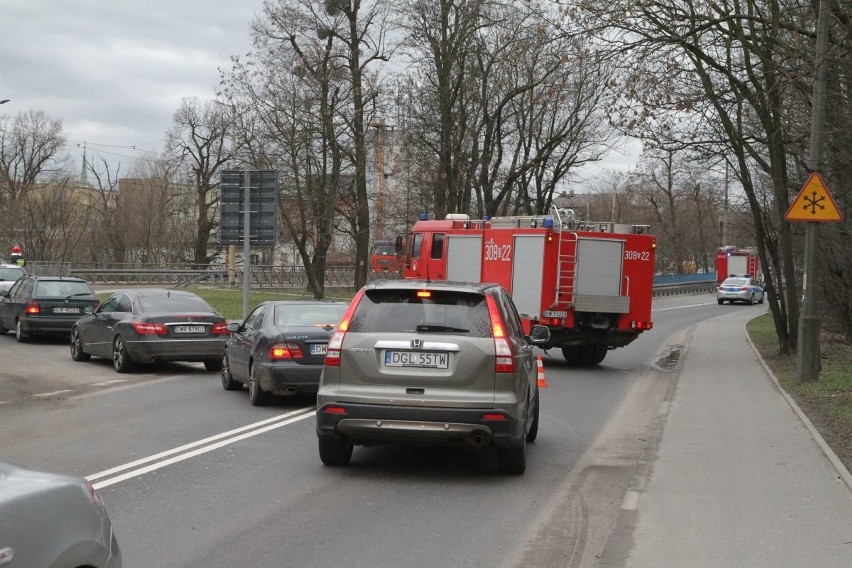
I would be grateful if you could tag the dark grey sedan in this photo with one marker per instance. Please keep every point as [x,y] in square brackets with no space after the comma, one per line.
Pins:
[48,519]
[279,349]
[149,325]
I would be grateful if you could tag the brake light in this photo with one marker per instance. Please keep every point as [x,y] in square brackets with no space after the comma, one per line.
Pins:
[424,294]
[335,342]
[744,288]
[149,328]
[32,308]
[220,328]
[494,417]
[643,325]
[282,351]
[504,361]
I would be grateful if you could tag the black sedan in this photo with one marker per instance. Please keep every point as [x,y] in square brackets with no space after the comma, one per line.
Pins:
[280,348]
[43,305]
[149,325]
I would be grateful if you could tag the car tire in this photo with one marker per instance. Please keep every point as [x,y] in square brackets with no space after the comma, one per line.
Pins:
[77,353]
[120,359]
[752,301]
[335,452]
[721,302]
[257,396]
[762,296]
[533,433]
[513,459]
[228,382]
[21,335]
[213,364]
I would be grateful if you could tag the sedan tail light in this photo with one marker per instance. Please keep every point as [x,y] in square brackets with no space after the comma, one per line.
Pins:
[283,351]
[504,359]
[149,328]
[220,328]
[32,308]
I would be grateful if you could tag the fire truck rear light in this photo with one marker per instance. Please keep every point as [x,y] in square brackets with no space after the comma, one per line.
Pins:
[643,325]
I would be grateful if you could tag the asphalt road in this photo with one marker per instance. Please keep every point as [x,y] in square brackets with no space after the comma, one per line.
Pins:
[194,476]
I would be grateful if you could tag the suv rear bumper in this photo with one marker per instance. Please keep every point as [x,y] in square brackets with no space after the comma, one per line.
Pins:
[380,424]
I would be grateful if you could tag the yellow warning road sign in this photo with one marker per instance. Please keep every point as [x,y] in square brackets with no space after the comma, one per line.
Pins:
[814,203]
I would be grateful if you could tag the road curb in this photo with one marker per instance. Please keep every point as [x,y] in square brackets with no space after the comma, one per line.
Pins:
[838,465]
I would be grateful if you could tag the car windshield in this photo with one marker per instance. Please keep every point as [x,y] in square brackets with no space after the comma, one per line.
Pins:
[10,273]
[61,289]
[735,282]
[303,315]
[173,303]
[440,312]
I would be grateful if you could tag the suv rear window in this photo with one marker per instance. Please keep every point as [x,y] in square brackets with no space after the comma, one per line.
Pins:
[403,310]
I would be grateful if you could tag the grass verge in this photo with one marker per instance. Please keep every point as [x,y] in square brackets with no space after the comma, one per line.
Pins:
[826,402]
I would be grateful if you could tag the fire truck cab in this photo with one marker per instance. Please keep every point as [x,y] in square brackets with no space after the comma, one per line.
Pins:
[591,283]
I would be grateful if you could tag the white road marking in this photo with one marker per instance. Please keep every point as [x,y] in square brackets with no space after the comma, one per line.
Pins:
[47,394]
[631,501]
[682,307]
[107,383]
[253,430]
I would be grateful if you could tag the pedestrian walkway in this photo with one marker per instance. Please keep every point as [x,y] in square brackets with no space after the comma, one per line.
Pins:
[739,479]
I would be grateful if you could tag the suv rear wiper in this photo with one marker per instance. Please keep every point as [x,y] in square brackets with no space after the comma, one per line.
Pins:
[435,327]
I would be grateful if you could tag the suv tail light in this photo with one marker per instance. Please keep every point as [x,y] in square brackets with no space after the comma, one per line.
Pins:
[335,342]
[504,359]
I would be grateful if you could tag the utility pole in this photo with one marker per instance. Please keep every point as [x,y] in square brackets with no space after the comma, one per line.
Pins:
[807,362]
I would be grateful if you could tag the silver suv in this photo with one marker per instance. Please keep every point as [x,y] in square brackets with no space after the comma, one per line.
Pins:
[420,362]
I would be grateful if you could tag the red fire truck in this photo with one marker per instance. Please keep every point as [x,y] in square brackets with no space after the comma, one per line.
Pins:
[590,283]
[384,257]
[732,261]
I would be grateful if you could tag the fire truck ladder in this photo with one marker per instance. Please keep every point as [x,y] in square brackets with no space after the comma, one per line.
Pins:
[566,256]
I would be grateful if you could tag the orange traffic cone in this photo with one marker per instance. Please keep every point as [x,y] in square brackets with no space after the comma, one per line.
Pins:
[542,383]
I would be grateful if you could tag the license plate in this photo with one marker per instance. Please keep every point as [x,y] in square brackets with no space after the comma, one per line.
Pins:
[419,359]
[318,348]
[190,329]
[66,310]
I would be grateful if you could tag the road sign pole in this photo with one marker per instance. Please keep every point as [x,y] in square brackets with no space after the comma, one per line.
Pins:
[807,358]
[246,240]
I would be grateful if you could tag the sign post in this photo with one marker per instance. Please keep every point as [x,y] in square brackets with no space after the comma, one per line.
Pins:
[814,205]
[248,214]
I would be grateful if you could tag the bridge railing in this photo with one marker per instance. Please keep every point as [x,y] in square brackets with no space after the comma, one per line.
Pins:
[284,277]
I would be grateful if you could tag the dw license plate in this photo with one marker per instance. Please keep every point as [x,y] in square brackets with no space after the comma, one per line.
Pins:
[418,359]
[318,348]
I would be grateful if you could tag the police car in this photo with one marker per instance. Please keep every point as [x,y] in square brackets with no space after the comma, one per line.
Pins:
[740,288]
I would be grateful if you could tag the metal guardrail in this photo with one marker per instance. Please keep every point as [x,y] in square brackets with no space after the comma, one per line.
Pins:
[287,277]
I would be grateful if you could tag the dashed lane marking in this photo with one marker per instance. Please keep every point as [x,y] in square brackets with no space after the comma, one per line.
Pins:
[54,393]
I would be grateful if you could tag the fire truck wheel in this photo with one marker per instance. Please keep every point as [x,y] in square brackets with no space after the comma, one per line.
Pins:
[597,354]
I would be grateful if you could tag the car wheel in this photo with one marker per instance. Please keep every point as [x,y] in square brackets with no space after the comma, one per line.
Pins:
[213,364]
[721,302]
[228,382]
[533,433]
[752,302]
[21,335]
[335,452]
[257,396]
[120,359]
[77,353]
[513,459]
[762,296]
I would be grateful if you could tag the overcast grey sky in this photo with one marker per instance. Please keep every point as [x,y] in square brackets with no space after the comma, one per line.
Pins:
[115,71]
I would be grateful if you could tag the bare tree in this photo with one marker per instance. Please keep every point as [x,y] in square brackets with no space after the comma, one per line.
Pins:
[199,145]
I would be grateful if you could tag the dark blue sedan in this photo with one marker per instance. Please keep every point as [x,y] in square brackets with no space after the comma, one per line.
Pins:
[280,348]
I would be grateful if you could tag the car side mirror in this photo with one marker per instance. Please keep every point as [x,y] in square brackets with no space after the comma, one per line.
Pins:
[233,327]
[539,334]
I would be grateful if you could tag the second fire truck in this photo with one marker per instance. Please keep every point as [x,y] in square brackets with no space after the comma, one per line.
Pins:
[590,283]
